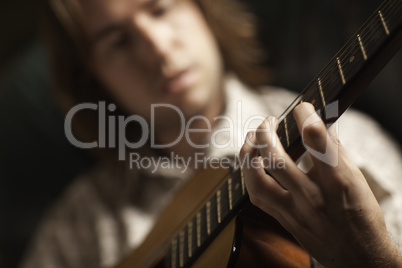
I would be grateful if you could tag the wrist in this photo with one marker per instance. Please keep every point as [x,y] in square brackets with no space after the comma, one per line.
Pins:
[384,254]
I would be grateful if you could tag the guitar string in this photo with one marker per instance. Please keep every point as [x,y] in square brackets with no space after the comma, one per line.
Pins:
[330,68]
[344,58]
[313,88]
[365,35]
[324,75]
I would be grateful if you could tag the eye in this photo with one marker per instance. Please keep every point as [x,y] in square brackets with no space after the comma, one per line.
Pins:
[162,7]
[159,11]
[122,40]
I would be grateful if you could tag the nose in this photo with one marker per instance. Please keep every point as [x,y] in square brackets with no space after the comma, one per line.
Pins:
[158,37]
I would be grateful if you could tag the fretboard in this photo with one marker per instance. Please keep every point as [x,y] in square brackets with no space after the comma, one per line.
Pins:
[341,81]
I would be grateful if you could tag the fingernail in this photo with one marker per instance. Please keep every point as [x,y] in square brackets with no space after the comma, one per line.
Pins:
[270,119]
[274,120]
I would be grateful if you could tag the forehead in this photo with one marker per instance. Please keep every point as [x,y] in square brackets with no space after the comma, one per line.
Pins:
[98,13]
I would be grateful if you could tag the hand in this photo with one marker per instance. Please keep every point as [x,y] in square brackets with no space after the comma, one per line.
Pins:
[331,210]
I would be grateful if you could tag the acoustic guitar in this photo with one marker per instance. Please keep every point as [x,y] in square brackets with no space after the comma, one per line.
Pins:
[211,223]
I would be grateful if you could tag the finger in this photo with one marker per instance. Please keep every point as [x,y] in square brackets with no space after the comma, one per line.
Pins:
[263,190]
[316,139]
[276,161]
[267,194]
[331,163]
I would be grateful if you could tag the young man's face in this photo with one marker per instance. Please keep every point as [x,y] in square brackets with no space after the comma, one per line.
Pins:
[154,51]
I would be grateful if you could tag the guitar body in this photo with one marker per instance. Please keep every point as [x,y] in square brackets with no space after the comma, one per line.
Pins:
[258,239]
[263,242]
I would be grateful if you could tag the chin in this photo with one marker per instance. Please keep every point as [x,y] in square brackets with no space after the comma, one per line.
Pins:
[198,102]
[191,109]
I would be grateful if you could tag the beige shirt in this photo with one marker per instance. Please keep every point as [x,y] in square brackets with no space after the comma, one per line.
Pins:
[107,213]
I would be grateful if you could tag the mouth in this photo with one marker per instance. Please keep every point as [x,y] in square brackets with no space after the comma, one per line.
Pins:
[179,81]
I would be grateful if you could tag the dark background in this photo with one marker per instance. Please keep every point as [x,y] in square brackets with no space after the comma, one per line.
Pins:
[36,161]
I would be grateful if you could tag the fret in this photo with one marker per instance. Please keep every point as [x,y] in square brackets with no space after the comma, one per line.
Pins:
[230,193]
[198,229]
[243,188]
[218,205]
[383,22]
[309,96]
[190,238]
[340,71]
[362,47]
[289,129]
[209,217]
[321,93]
[181,248]
[351,61]
[285,122]
[372,35]
[174,252]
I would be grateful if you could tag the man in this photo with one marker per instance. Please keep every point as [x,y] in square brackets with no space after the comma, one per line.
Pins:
[131,75]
